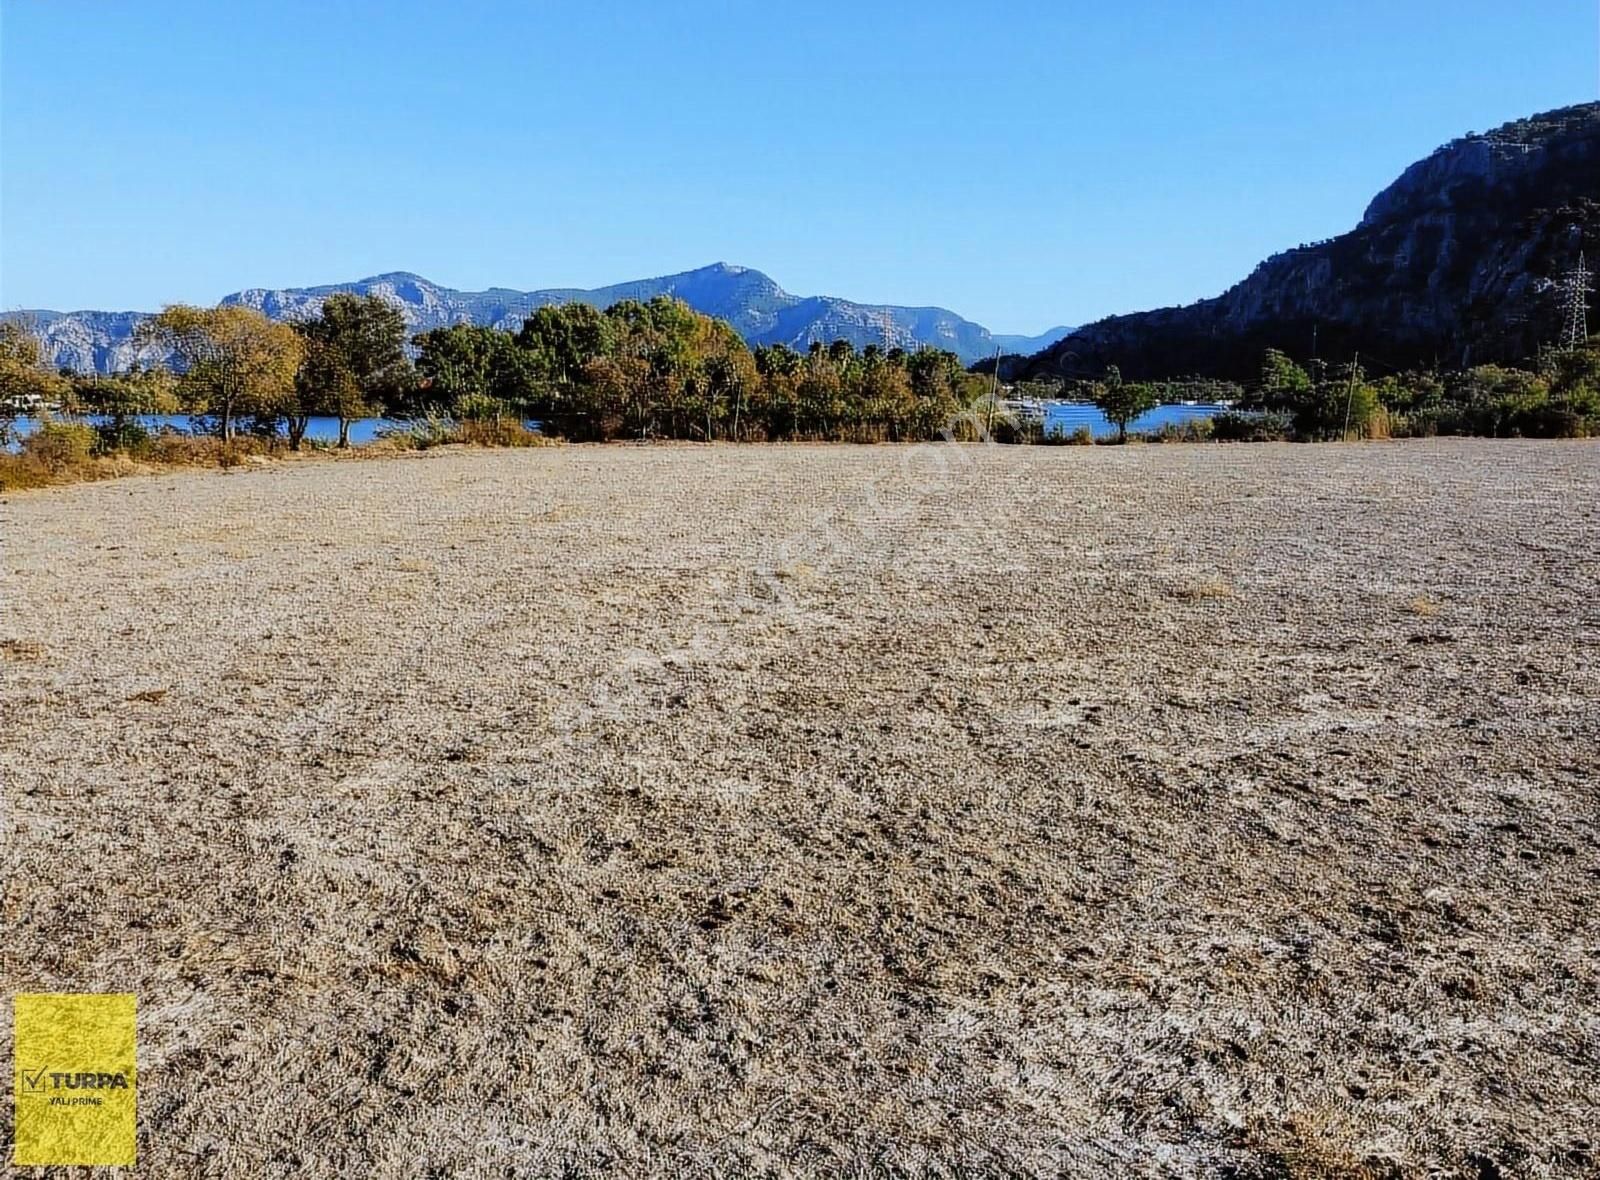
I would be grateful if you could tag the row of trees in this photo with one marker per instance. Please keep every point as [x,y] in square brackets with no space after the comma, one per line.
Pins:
[661,370]
[1557,396]
[647,370]
[234,363]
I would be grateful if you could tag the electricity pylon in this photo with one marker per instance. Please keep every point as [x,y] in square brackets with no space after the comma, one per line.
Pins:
[1575,287]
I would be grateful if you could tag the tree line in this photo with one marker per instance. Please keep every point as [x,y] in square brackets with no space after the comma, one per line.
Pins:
[662,370]
[654,369]
[1555,395]
[659,369]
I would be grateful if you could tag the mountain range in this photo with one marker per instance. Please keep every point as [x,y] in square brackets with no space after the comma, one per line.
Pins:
[1456,263]
[757,307]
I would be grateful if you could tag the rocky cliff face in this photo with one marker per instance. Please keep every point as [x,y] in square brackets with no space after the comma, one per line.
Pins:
[762,311]
[1452,264]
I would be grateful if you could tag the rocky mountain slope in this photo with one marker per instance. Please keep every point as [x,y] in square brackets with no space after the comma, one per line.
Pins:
[760,309]
[1454,264]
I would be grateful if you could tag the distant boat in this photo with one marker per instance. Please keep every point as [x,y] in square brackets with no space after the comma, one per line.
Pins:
[1026,408]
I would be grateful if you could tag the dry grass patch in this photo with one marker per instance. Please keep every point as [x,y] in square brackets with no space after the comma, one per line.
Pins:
[1204,590]
[1424,606]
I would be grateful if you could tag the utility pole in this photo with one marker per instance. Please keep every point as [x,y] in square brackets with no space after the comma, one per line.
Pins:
[1575,288]
[1350,397]
[994,392]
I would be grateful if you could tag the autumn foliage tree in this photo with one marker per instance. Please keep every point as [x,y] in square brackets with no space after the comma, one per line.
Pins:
[232,361]
[25,381]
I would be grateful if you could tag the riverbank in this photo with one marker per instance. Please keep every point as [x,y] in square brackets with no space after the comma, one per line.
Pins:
[67,451]
[823,809]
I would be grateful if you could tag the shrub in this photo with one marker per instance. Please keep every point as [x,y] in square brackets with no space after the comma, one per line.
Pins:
[22,471]
[1560,422]
[174,448]
[478,407]
[489,431]
[1080,437]
[502,432]
[60,445]
[423,433]
[1190,430]
[120,434]
[1251,426]
[1005,431]
[1380,424]
[1008,429]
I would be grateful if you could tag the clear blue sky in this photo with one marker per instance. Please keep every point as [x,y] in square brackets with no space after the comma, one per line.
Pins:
[1024,164]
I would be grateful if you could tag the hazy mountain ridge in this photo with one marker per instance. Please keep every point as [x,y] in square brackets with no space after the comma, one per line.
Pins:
[761,310]
[1454,263]
[1027,345]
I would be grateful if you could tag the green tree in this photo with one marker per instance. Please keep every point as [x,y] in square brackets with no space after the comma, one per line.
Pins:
[1355,403]
[323,385]
[355,360]
[1575,389]
[121,398]
[884,395]
[1499,401]
[470,361]
[819,391]
[723,375]
[777,395]
[1283,387]
[1418,396]
[563,338]
[1123,401]
[151,390]
[939,388]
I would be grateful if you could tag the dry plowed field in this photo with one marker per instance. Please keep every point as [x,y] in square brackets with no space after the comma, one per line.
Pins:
[823,811]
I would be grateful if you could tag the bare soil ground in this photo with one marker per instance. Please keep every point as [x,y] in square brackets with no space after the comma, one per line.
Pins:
[823,811]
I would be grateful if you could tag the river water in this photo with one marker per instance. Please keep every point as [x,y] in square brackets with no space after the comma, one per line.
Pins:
[325,429]
[1063,417]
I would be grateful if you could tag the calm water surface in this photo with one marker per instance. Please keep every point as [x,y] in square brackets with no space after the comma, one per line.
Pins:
[1066,417]
[362,430]
[1062,417]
